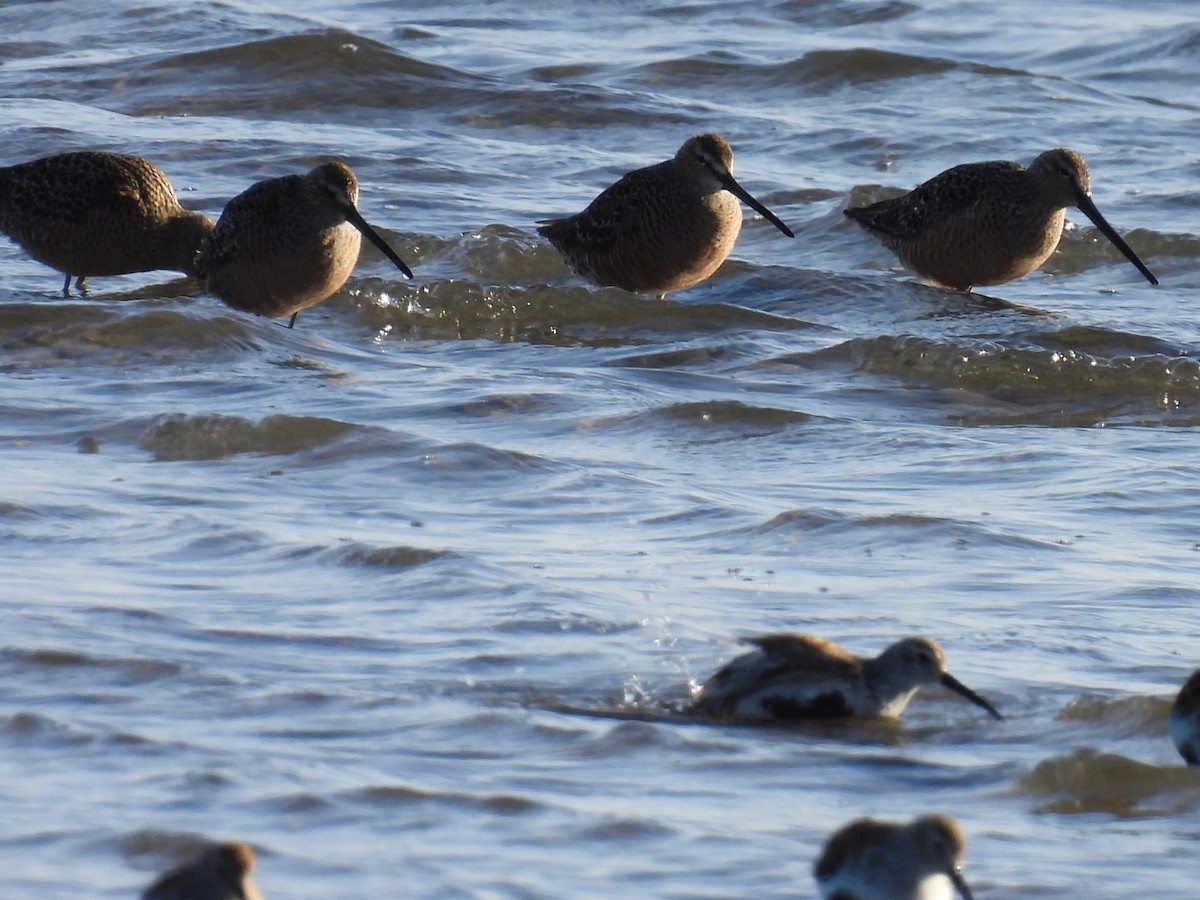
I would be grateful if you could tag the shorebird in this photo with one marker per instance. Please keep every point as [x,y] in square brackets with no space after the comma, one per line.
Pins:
[1184,722]
[96,213]
[797,676]
[662,228]
[989,222]
[872,860]
[288,243]
[221,872]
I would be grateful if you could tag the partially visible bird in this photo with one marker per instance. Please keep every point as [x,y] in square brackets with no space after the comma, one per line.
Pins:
[872,860]
[288,243]
[96,213]
[221,872]
[1184,721]
[662,228]
[798,676]
[990,222]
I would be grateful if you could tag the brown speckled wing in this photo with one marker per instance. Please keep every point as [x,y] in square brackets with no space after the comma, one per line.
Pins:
[69,189]
[250,213]
[784,660]
[612,214]
[938,201]
[803,652]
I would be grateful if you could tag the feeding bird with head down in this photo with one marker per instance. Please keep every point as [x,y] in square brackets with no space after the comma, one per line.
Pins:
[288,243]
[798,676]
[988,223]
[662,228]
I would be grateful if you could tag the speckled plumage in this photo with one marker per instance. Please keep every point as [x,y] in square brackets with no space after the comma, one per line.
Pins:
[288,243]
[221,872]
[662,228]
[96,213]
[872,860]
[798,676]
[1184,721]
[987,223]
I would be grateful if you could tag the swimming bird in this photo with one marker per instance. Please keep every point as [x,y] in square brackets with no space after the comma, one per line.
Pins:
[662,228]
[989,222]
[288,243]
[797,676]
[1184,721]
[872,860]
[97,213]
[221,872]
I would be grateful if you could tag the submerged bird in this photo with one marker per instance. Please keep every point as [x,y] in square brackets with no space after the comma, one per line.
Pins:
[288,243]
[989,222]
[797,676]
[872,860]
[1184,722]
[221,872]
[97,213]
[662,228]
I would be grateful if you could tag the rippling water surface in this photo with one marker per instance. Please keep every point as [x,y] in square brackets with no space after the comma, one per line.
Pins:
[408,597]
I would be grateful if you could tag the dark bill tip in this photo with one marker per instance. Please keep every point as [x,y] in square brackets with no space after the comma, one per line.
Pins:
[958,687]
[744,195]
[354,217]
[961,884]
[1089,209]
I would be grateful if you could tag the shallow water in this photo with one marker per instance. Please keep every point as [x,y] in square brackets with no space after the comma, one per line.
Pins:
[409,597]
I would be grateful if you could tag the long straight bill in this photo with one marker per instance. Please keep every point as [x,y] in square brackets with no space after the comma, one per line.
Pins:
[744,195]
[958,687]
[1089,210]
[355,218]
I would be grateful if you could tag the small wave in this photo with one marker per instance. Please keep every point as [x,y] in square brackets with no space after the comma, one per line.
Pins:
[10,510]
[676,358]
[499,254]
[309,75]
[500,406]
[332,69]
[1103,342]
[1126,716]
[1084,248]
[815,71]
[894,527]
[562,316]
[625,830]
[455,460]
[716,419]
[1088,782]
[65,333]
[201,437]
[837,14]
[1075,383]
[406,795]
[132,671]
[540,620]
[571,106]
[400,557]
[302,639]
[30,726]
[298,803]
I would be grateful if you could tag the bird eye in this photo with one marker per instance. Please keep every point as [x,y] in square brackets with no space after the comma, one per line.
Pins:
[702,159]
